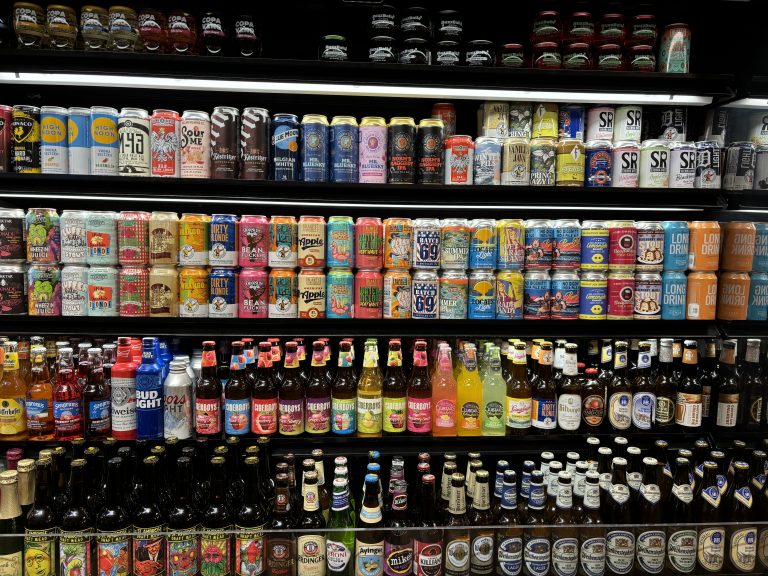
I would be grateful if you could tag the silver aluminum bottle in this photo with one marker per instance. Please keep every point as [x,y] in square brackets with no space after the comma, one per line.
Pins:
[177,413]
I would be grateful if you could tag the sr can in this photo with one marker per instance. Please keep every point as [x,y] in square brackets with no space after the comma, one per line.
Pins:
[74,290]
[600,121]
[594,245]
[537,286]
[673,295]
[53,135]
[701,296]
[732,296]
[675,244]
[483,244]
[103,293]
[487,161]
[253,293]
[628,123]
[757,309]
[539,240]
[133,132]
[340,242]
[654,164]
[193,292]
[312,294]
[564,295]
[283,294]
[426,243]
[481,301]
[453,286]
[625,167]
[80,142]
[647,296]
[593,296]
[682,164]
[650,245]
[425,295]
[621,295]
[708,165]
[598,164]
[398,293]
[510,290]
[222,293]
[340,288]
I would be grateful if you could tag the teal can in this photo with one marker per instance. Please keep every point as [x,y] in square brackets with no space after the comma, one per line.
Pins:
[757,307]
[340,242]
[760,261]
[340,293]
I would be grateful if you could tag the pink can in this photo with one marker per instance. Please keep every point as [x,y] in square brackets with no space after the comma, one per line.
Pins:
[166,148]
[254,241]
[621,295]
[369,293]
[372,151]
[253,299]
[133,237]
[369,242]
[622,244]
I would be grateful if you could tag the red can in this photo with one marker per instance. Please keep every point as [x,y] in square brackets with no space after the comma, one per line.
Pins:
[6,113]
[134,292]
[622,242]
[446,112]
[253,299]
[166,143]
[133,237]
[254,241]
[459,159]
[621,295]
[369,294]
[369,242]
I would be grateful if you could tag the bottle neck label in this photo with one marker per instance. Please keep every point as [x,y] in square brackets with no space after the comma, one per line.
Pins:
[291,359]
[545,357]
[11,361]
[606,354]
[644,360]
[592,496]
[620,361]
[395,358]
[311,499]
[509,497]
[318,358]
[690,356]
[265,359]
[238,362]
[519,357]
[419,358]
[208,359]
[371,359]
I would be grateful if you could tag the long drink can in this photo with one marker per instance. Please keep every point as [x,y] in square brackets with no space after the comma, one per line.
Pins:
[166,143]
[133,132]
[195,144]
[675,244]
[757,307]
[6,115]
[372,150]
[314,148]
[224,140]
[674,286]
[25,131]
[760,261]
[53,136]
[254,144]
[344,152]
[74,239]
[80,140]
[284,148]
[104,152]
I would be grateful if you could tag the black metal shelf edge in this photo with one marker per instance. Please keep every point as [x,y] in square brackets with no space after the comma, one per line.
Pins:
[746,329]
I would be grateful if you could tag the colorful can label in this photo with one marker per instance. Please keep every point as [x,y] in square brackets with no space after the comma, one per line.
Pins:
[757,308]
[483,244]
[283,294]
[628,123]
[509,295]
[622,242]
[398,243]
[426,244]
[196,144]
[732,296]
[164,238]
[103,295]
[676,245]
[222,240]
[101,234]
[13,233]
[459,160]
[481,302]
[544,120]
[398,294]
[516,162]
[543,158]
[625,165]
[701,296]
[74,239]
[566,248]
[682,165]
[760,261]
[25,143]
[654,164]
[283,242]
[312,294]
[340,287]
[43,236]
[593,296]
[133,131]
[647,297]
[222,293]
[621,296]
[599,165]
[454,245]
[163,291]
[708,165]
[704,246]
[650,246]
[314,151]
[673,294]
[537,288]
[369,294]
[564,299]
[13,290]
[369,243]
[133,238]
[254,144]
[285,147]
[194,239]
[166,143]
[253,241]
[539,240]
[453,295]
[487,162]
[253,290]
[193,292]
[80,143]
[134,291]
[311,241]
[53,136]
[511,235]
[44,290]
[570,122]
[600,123]
[340,242]
[372,145]
[425,296]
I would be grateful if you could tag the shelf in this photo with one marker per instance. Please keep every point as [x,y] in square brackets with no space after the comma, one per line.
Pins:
[746,329]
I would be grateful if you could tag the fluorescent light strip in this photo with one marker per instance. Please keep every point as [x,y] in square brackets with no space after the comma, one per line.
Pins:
[748,103]
[330,89]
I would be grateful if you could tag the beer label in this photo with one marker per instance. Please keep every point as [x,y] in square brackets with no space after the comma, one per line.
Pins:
[369,414]
[249,551]
[620,551]
[311,554]
[620,493]
[134,146]
[394,410]
[68,416]
[727,410]
[665,410]
[536,556]
[148,551]
[183,553]
[13,419]
[264,415]
[419,415]
[651,551]
[291,419]
[40,552]
[593,410]
[318,417]
[457,556]
[543,413]
[762,547]
[565,556]
[369,558]
[281,555]
[338,555]
[428,558]
[643,408]
[518,412]
[215,552]
[343,415]
[208,416]
[493,417]
[688,410]
[681,550]
[683,492]
[634,479]
[398,558]
[123,404]
[620,410]
[743,549]
[99,416]
[481,556]
[445,411]
[711,548]
[744,495]
[11,563]
[113,549]
[569,411]
[650,492]
[592,556]
[509,556]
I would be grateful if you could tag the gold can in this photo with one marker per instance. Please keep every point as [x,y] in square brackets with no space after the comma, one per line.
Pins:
[163,291]
[398,243]
[194,239]
[311,294]
[163,238]
[569,163]
[545,116]
[193,292]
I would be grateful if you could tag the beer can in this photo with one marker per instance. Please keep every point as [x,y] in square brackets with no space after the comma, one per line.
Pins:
[25,142]
[44,290]
[654,164]
[682,164]
[253,241]
[253,293]
[760,261]
[758,127]
[344,148]
[487,161]
[340,287]
[311,242]
[164,238]
[622,242]
[598,164]
[516,162]
[340,242]
[313,148]
[222,293]
[704,246]
[225,129]
[701,296]
[544,120]
[6,117]
[372,148]
[674,124]
[312,294]
[53,136]
[193,292]
[194,239]
[254,144]
[569,163]
[761,168]
[398,243]
[650,246]
[520,120]
[104,150]
[283,294]
[600,123]
[481,299]
[80,143]
[74,239]
[369,242]
[739,173]
[676,237]
[738,246]
[425,295]
[13,290]
[564,295]
[453,286]
[594,245]
[446,112]
[13,235]
[43,233]
[539,240]
[757,308]
[673,295]
[647,296]
[283,242]
[369,294]
[458,167]
[165,126]
[621,295]
[593,296]
[101,233]
[429,152]
[732,296]
[134,291]
[74,290]
[566,243]
[511,235]
[454,243]
[493,119]
[483,243]
[103,294]
[543,152]
[426,243]
[628,123]
[625,165]
[163,291]
[134,139]
[509,295]
[133,237]
[708,165]
[195,144]
[398,293]
[222,240]
[401,151]
[570,122]
[537,286]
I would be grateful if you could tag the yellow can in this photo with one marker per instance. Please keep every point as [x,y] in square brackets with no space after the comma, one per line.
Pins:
[194,240]
[511,238]
[545,120]
[569,163]
[164,291]
[193,292]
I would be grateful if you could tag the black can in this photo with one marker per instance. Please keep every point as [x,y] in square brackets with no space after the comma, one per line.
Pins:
[513,55]
[333,47]
[383,50]
[25,139]
[214,34]
[450,25]
[448,53]
[247,36]
[383,20]
[401,151]
[255,131]
[416,23]
[429,148]
[415,51]
[480,53]
[224,142]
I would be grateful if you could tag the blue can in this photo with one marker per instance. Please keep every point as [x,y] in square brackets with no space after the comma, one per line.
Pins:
[340,242]
[570,122]
[483,246]
[674,287]
[539,243]
[537,286]
[340,293]
[676,238]
[566,251]
[757,308]
[593,296]
[284,147]
[314,148]
[425,298]
[344,147]
[487,161]
[79,141]
[53,140]
[564,300]
[222,234]
[104,141]
[149,392]
[760,260]
[222,293]
[598,165]
[594,245]
[481,302]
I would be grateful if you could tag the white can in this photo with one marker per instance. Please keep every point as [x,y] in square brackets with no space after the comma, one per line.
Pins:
[758,127]
[74,290]
[135,152]
[628,123]
[654,164]
[600,123]
[493,119]
[626,165]
[74,239]
[104,145]
[682,164]
[54,152]
[79,139]
[195,144]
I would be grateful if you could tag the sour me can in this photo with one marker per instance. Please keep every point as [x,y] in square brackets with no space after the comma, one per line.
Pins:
[453,287]
[398,292]
[343,143]
[340,287]
[314,148]
[340,242]
[509,295]
[481,302]
[537,286]
[195,144]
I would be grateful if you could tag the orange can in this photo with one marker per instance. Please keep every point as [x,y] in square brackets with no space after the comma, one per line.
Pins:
[733,295]
[701,296]
[194,239]
[704,246]
[311,242]
[738,246]
[398,243]
[283,294]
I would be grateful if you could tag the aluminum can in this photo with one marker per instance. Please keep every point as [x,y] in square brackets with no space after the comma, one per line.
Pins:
[74,290]
[369,294]
[222,240]
[283,294]
[621,295]
[761,168]
[647,296]
[253,293]
[493,119]
[543,152]
[253,241]
[103,294]
[650,246]
[600,121]
[13,290]
[25,143]
[401,151]
[757,308]
[511,235]
[446,112]
[194,239]
[566,243]
[195,144]
[134,291]
[13,235]
[225,129]
[509,295]
[149,396]
[487,161]
[312,294]
[733,296]
[673,295]
[344,148]
[625,165]
[101,232]
[459,160]
[426,243]
[520,120]
[539,241]
[516,162]
[165,126]
[177,406]
[425,295]
[481,299]
[682,164]
[340,242]
[676,238]
[6,117]
[674,124]
[163,291]
[454,243]
[654,164]
[134,138]
[622,242]
[453,287]
[704,246]
[104,150]
[537,286]
[254,144]
[708,165]
[544,120]
[739,173]
[738,247]
[369,242]
[311,242]
[43,234]
[628,123]
[222,293]
[564,295]
[53,136]
[760,261]
[483,243]
[569,163]
[193,292]
[43,290]
[283,242]
[313,147]
[74,239]
[133,238]
[593,296]
[398,243]
[701,296]
[164,238]
[758,127]
[570,122]
[340,288]
[675,49]
[372,148]
[598,164]
[398,292]
[429,152]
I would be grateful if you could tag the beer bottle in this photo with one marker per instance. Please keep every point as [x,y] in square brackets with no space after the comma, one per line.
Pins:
[536,537]
[369,393]
[250,521]
[498,487]
[532,350]
[688,404]
[443,394]
[579,483]
[76,521]
[709,379]
[592,359]
[428,540]
[635,470]
[620,538]
[741,537]
[183,540]
[419,394]
[26,484]
[94,498]
[123,390]
[509,535]
[237,395]
[593,445]
[604,470]
[569,392]
[39,397]
[369,538]
[494,395]
[481,539]
[208,395]
[634,351]
[324,495]
[752,387]
[394,392]
[291,420]
[665,388]
[398,543]
[757,471]
[469,395]
[67,399]
[701,451]
[643,390]
[457,542]
[449,469]
[606,362]
[591,536]
[11,547]
[651,539]
[677,360]
[718,457]
[727,390]
[264,411]
[619,392]
[250,353]
[341,542]
[558,362]
[551,480]
[96,399]
[711,535]
[620,444]
[519,394]
[39,542]
[318,418]
[59,494]
[565,543]
[592,403]
[681,537]
[281,546]
[525,488]
[216,522]
[149,546]
[738,454]
[544,402]
[344,394]
[301,353]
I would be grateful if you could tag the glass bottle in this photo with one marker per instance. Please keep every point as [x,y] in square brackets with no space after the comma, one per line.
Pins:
[398,542]
[606,362]
[76,521]
[536,535]
[620,538]
[311,545]
[11,547]
[449,469]
[708,513]
[469,394]
[665,387]
[264,411]
[728,389]
[651,540]
[681,538]
[457,542]
[39,542]
[443,395]
[741,538]
[123,389]
[237,395]
[67,399]
[591,535]
[344,393]
[592,402]
[419,394]
[569,391]
[26,486]
[13,394]
[39,397]
[183,540]
[509,534]
[494,395]
[544,402]
[369,393]
[216,522]
[340,544]
[519,393]
[565,543]
[208,393]
[643,390]
[752,387]
[428,540]
[395,388]
[149,545]
[281,546]
[322,491]
[482,546]
[579,483]
[620,392]
[709,378]
[498,487]
[96,399]
[250,522]
[688,404]
[291,399]
[318,393]
[558,362]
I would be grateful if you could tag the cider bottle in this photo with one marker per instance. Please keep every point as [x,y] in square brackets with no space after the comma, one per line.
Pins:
[369,393]
[443,395]
[13,394]
[469,394]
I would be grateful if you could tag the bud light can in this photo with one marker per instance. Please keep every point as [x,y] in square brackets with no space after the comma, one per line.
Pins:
[673,293]
[425,299]
[314,148]
[340,242]
[757,306]
[481,303]
[426,243]
[676,238]
[483,244]
[149,393]
[760,260]
[285,147]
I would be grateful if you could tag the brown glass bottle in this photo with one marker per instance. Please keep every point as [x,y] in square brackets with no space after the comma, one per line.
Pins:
[39,397]
[237,395]
[635,470]
[291,396]
[709,514]
[149,546]
[741,538]
[519,394]
[620,538]
[665,388]
[752,387]
[264,394]
[688,403]
[536,536]
[544,395]
[591,535]
[394,392]
[449,469]
[708,378]
[457,542]
[182,518]
[606,362]
[281,546]
[579,484]
[96,399]
[322,490]
[398,542]
[428,541]
[344,393]
[569,392]
[509,535]
[604,462]
[551,481]
[481,539]
[651,538]
[728,389]
[250,521]
[76,520]
[592,403]
[39,542]
[208,395]
[643,390]
[681,538]
[660,448]
[565,543]
[11,547]
[619,392]
[216,522]
[318,394]
[419,395]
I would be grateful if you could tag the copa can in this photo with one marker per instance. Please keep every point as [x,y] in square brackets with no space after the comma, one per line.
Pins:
[739,173]
[311,242]
[313,146]
[595,238]
[654,164]
[398,243]
[704,245]
[570,122]
[516,162]
[401,151]
[369,242]
[343,143]
[520,120]
[53,136]
[544,120]
[647,296]
[133,237]
[483,243]
[622,242]
[6,117]
[732,296]
[284,147]
[134,291]
[224,142]
[625,165]
[104,149]
[621,295]
[543,152]
[283,293]
[593,296]
[429,152]
[509,295]
[340,287]
[458,167]
[650,246]
[398,293]
[135,144]
[254,144]
[757,308]
[283,242]
[43,290]
[253,234]
[103,294]
[701,296]
[453,287]
[425,295]
[25,139]
[598,164]
[566,243]
[193,292]
[426,243]
[13,290]
[312,294]
[13,235]
[101,231]
[454,243]
[74,290]
[74,239]
[600,123]
[372,149]
[165,126]
[194,239]
[253,293]
[369,294]
[487,161]
[738,248]
[446,112]
[676,237]
[80,142]
[708,165]
[164,238]
[481,299]
[222,240]
[674,286]
[564,295]
[539,240]
[537,286]
[682,164]
[569,163]
[163,291]
[340,242]
[674,124]
[222,293]
[195,144]
[43,235]
[760,261]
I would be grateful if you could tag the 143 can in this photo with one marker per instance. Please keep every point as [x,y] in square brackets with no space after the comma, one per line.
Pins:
[481,302]
[133,132]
